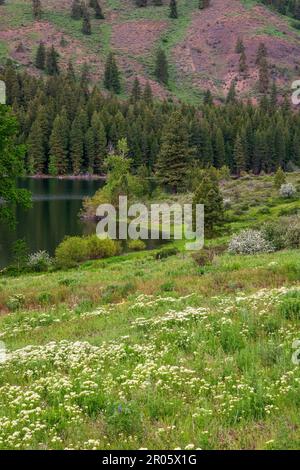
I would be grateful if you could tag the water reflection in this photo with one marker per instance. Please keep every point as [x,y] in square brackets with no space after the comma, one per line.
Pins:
[54,214]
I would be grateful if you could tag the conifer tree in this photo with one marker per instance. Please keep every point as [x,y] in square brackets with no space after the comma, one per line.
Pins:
[36,149]
[112,75]
[76,145]
[239,155]
[209,194]
[40,59]
[174,155]
[52,61]
[98,11]
[86,23]
[59,163]
[161,68]
[173,9]
[136,91]
[76,10]
[37,9]
[89,150]
[148,95]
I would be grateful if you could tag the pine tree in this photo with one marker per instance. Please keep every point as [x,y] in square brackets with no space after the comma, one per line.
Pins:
[231,97]
[40,59]
[59,164]
[136,91]
[37,9]
[112,75]
[86,23]
[161,69]
[148,95]
[52,61]
[239,155]
[173,9]
[209,194]
[76,10]
[36,149]
[98,11]
[89,150]
[174,155]
[76,145]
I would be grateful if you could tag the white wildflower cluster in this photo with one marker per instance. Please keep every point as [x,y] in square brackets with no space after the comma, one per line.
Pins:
[65,383]
[249,242]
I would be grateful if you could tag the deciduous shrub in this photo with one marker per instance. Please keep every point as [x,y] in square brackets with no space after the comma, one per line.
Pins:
[250,242]
[136,245]
[283,233]
[166,252]
[287,190]
[39,261]
[98,248]
[74,250]
[71,251]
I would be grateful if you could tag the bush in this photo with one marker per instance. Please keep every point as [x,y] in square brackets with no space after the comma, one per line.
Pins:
[283,233]
[166,252]
[287,190]
[15,302]
[249,242]
[101,248]
[74,250]
[39,261]
[136,245]
[71,251]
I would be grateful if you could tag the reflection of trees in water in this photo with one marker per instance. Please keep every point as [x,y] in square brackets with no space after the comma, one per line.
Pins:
[54,214]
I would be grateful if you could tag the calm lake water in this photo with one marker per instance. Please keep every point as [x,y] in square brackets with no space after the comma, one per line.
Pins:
[54,214]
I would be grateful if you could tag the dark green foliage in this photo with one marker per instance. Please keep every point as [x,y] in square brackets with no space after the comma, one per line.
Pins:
[174,156]
[161,67]
[209,194]
[40,59]
[240,136]
[112,75]
[11,167]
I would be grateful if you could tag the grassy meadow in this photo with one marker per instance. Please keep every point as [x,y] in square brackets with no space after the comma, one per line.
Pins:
[137,352]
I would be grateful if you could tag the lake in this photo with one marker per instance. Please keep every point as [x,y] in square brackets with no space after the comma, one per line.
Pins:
[54,214]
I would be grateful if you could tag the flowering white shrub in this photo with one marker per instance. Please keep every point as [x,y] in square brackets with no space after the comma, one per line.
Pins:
[227,203]
[40,261]
[249,242]
[287,190]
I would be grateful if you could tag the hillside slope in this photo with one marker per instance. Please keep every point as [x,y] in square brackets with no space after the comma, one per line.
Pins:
[200,44]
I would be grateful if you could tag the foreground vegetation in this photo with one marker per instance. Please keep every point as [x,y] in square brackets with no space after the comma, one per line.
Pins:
[145,351]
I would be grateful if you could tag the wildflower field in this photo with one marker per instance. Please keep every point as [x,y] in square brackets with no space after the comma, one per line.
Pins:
[136,352]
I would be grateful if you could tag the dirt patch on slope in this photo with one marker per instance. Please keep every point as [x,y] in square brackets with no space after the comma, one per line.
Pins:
[137,37]
[207,53]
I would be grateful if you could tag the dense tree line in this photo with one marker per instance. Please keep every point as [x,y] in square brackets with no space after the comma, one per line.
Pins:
[70,128]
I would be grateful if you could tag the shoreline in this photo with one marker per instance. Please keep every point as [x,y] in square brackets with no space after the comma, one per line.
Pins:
[68,177]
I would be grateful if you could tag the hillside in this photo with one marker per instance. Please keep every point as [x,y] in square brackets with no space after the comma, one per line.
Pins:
[200,44]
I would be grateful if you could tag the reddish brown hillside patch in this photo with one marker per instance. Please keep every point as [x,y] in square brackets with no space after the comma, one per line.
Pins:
[208,51]
[137,37]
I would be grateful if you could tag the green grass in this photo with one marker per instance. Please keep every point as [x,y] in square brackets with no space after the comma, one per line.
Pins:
[132,352]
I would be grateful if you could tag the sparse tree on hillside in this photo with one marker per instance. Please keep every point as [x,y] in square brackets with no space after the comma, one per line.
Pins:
[37,9]
[161,68]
